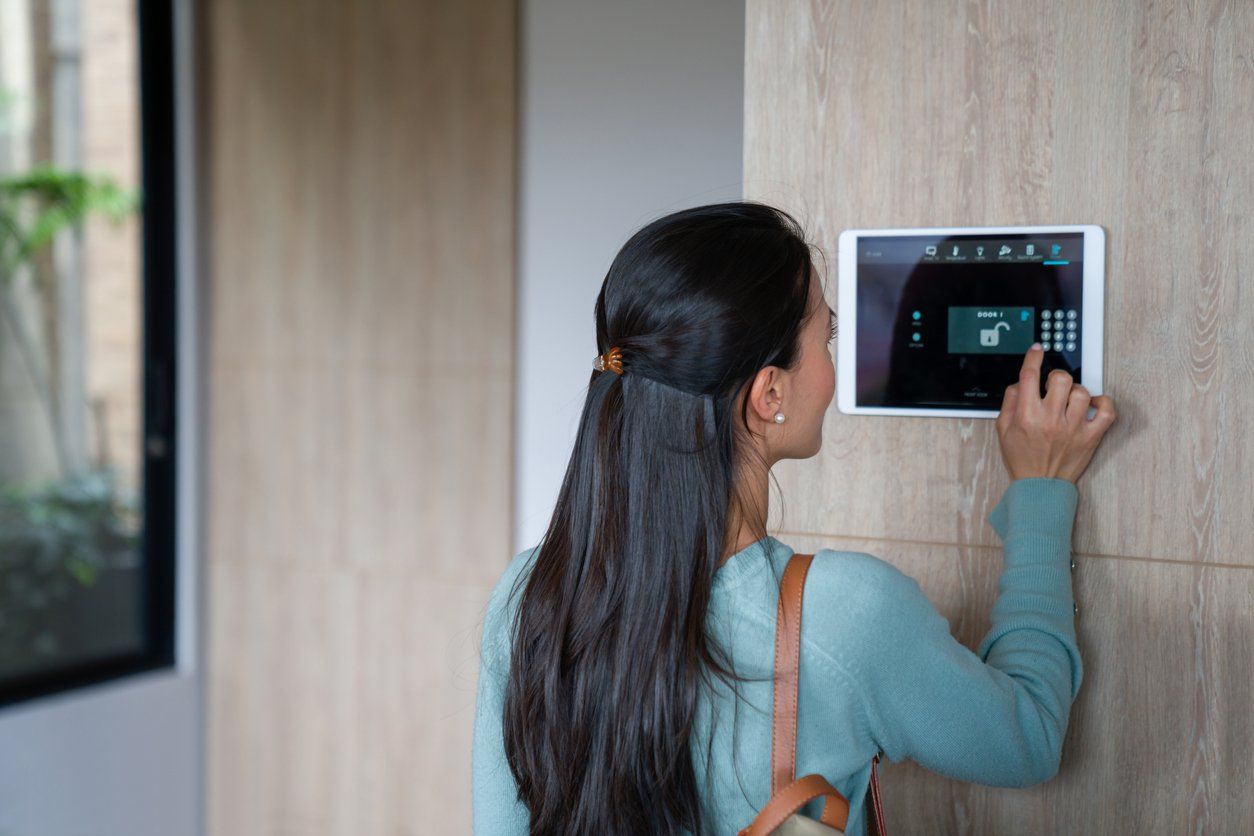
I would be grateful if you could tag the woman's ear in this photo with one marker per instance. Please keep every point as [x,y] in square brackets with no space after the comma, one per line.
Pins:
[766,393]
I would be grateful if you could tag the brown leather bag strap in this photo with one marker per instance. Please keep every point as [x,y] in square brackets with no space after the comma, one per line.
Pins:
[784,712]
[787,667]
[875,822]
[795,796]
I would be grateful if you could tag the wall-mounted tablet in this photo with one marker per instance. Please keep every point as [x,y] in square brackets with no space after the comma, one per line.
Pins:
[936,321]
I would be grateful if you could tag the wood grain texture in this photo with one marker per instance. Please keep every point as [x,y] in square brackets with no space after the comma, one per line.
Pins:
[360,184]
[1135,116]
[1159,735]
[342,700]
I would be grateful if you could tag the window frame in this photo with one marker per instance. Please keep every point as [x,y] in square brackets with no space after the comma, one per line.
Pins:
[159,274]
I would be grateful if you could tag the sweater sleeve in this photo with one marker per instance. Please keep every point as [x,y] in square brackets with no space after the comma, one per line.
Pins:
[996,716]
[496,808]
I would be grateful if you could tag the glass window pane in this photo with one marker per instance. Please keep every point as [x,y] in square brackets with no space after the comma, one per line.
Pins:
[74,573]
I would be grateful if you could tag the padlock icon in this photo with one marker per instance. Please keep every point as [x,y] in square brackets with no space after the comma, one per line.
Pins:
[991,336]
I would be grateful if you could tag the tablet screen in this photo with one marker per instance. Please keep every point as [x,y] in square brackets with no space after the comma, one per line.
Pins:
[944,321]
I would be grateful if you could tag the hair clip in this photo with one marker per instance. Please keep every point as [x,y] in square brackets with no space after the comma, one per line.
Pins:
[612,360]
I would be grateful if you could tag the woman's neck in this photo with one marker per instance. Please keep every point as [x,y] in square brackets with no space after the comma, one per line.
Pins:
[754,488]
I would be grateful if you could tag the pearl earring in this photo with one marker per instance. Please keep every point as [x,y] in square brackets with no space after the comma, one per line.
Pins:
[779,417]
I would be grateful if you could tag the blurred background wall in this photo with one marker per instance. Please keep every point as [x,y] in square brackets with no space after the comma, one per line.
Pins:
[1135,116]
[629,111]
[381,264]
[360,265]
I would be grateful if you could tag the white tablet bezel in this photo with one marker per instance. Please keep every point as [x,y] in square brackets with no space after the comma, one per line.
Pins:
[1092,309]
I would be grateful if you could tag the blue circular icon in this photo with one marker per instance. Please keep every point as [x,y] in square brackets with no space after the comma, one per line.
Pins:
[915,336]
[916,314]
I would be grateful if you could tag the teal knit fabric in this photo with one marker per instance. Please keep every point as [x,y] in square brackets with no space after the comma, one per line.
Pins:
[880,671]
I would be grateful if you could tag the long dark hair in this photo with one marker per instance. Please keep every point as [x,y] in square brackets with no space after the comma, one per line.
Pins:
[609,645]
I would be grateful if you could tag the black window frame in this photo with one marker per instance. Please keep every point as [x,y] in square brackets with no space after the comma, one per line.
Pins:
[159,274]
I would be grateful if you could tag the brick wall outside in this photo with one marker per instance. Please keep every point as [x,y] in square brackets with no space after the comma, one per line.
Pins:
[112,258]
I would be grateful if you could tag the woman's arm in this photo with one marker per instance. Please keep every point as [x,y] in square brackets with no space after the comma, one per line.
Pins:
[496,807]
[996,716]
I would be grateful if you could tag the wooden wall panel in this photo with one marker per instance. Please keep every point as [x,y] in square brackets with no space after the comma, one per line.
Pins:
[360,188]
[1130,115]
[1135,116]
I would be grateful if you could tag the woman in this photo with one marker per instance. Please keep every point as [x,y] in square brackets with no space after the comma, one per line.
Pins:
[625,683]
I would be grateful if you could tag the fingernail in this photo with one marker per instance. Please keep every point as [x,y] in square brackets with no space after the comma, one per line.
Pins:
[1036,345]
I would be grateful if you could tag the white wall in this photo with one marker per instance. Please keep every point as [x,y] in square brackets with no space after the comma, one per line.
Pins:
[629,110]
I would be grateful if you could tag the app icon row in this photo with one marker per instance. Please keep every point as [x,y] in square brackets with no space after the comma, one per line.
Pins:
[955,250]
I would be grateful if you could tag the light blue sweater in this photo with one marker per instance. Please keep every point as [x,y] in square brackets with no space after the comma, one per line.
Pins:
[879,671]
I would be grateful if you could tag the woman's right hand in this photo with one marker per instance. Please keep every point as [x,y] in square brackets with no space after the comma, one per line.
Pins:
[1050,436]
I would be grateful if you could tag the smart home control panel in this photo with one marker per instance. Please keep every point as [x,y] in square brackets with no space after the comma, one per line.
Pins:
[936,321]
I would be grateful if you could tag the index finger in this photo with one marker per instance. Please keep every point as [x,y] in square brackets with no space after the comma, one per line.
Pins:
[1030,377]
